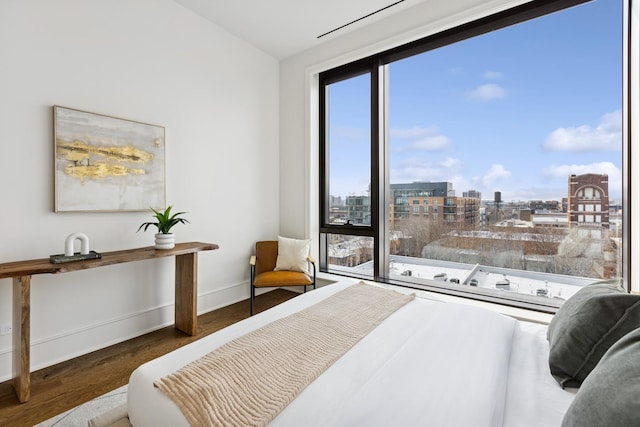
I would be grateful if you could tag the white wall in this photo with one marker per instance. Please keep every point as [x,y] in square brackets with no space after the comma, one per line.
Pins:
[156,62]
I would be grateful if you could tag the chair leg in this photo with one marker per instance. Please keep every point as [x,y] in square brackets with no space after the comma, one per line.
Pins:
[252,274]
[314,275]
[253,295]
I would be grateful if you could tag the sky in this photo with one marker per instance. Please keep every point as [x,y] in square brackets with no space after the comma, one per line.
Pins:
[517,110]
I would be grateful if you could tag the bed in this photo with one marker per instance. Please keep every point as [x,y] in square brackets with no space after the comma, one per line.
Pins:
[429,362]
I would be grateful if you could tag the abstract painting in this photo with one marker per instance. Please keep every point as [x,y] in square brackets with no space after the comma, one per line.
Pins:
[103,163]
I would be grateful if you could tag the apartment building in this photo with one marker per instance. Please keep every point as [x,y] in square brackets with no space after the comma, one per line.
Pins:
[588,200]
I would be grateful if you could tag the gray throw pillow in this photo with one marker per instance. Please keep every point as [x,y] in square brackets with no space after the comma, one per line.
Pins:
[586,326]
[610,396]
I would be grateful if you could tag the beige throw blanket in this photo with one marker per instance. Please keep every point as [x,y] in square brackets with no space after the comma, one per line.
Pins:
[249,380]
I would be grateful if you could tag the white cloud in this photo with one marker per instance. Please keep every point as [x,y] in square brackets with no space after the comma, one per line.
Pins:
[412,165]
[493,75]
[607,135]
[450,163]
[422,139]
[496,172]
[487,92]
[608,168]
[415,132]
[563,171]
[431,143]
[415,169]
[420,168]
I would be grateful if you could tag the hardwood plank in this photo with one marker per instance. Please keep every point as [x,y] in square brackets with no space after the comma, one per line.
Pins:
[63,386]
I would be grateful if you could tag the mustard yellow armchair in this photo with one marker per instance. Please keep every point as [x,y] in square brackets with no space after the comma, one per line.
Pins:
[264,275]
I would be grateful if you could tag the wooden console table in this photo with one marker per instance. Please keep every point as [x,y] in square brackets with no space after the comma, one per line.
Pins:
[186,283]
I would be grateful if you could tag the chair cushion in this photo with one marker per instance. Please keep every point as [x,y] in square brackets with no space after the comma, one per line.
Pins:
[610,396]
[292,254]
[586,326]
[281,278]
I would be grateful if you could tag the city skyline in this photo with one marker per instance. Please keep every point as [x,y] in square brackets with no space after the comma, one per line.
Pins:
[516,110]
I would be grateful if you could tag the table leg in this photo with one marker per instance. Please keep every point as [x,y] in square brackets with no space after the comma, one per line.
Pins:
[21,337]
[186,311]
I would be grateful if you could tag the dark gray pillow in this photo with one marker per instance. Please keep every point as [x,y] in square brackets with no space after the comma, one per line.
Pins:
[610,396]
[586,326]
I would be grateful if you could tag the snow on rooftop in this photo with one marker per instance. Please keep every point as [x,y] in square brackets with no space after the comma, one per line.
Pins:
[530,283]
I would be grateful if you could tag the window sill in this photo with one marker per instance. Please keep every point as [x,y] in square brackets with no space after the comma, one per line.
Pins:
[517,313]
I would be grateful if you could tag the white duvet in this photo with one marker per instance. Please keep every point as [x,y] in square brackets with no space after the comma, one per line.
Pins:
[430,363]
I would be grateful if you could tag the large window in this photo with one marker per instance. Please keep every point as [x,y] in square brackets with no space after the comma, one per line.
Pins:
[464,162]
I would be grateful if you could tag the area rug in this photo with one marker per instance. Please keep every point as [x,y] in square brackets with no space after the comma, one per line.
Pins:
[82,414]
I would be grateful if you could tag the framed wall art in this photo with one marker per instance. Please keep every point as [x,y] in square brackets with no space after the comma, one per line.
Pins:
[104,163]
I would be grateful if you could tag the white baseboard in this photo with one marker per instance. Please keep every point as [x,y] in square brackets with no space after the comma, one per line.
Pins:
[87,338]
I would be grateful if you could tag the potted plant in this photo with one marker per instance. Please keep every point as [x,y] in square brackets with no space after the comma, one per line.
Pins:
[165,239]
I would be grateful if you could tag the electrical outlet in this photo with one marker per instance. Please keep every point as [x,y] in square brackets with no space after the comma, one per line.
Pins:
[5,329]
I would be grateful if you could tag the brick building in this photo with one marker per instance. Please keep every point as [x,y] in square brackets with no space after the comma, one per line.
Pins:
[588,200]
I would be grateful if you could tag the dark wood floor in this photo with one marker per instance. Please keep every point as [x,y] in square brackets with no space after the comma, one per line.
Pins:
[61,387]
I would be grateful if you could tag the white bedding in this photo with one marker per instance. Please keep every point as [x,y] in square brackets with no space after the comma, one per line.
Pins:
[430,363]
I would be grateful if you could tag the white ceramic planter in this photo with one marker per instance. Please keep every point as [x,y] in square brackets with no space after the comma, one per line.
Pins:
[165,241]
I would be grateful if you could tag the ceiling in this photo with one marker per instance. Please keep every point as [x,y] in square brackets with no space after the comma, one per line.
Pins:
[283,28]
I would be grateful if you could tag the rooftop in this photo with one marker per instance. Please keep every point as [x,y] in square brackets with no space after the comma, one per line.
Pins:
[486,280]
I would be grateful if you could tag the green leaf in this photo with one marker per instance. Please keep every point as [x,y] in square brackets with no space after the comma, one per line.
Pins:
[165,221]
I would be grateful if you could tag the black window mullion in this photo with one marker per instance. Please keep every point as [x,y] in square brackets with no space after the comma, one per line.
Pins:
[327,78]
[375,170]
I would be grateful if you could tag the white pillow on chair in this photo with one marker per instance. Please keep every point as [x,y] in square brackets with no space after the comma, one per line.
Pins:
[292,254]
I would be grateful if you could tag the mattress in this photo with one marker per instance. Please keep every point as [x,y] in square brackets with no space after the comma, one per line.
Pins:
[444,364]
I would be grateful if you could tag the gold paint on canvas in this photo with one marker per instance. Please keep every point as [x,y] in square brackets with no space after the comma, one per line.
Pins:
[100,170]
[83,167]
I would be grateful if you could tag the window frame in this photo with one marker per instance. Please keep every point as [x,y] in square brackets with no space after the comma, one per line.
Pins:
[375,65]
